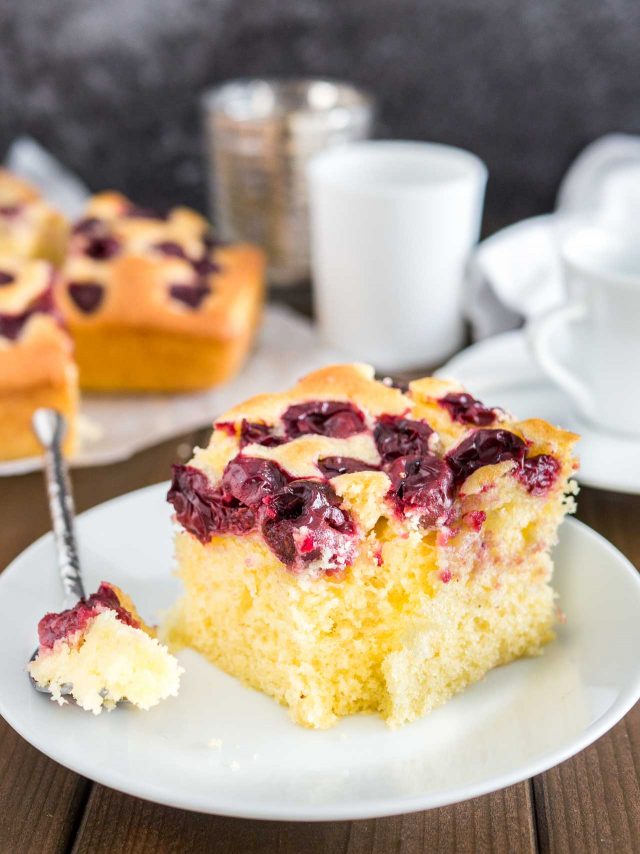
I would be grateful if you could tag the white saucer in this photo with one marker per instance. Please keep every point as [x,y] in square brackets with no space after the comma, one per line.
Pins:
[521,720]
[501,372]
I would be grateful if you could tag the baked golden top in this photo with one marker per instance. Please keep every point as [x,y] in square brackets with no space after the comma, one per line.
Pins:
[355,383]
[315,468]
[130,267]
[34,348]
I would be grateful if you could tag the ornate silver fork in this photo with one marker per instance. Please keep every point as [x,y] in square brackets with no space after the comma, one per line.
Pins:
[49,426]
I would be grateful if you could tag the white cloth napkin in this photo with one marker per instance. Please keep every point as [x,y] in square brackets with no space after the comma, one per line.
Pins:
[113,427]
[516,273]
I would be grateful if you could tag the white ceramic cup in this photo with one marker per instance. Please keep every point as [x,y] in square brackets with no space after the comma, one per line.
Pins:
[590,346]
[392,226]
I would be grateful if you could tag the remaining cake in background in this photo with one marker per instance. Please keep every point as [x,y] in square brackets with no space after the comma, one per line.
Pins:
[36,357]
[29,226]
[349,546]
[153,302]
[101,652]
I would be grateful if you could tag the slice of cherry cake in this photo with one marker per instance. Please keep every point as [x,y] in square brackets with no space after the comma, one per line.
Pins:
[100,652]
[349,546]
[153,302]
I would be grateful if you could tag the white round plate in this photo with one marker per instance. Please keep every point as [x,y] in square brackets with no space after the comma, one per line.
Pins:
[501,372]
[519,721]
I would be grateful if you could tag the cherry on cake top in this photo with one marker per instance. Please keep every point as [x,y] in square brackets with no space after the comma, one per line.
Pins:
[336,418]
[114,228]
[401,437]
[26,290]
[302,519]
[64,625]
[467,410]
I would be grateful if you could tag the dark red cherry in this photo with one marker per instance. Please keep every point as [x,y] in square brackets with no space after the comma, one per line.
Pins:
[467,410]
[422,485]
[250,480]
[255,433]
[484,448]
[171,248]
[55,626]
[102,248]
[87,296]
[11,325]
[334,466]
[205,267]
[401,437]
[334,418]
[203,510]
[539,473]
[6,278]
[10,211]
[304,521]
[191,295]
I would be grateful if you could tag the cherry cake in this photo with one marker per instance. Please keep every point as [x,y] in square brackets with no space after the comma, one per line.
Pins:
[153,301]
[350,546]
[36,356]
[101,652]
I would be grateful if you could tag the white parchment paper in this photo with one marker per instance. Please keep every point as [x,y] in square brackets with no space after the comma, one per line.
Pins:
[113,428]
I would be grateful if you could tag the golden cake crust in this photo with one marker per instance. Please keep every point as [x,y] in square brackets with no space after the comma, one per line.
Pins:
[137,279]
[355,383]
[167,310]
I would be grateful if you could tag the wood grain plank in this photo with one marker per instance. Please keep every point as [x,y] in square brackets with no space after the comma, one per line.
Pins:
[41,803]
[501,822]
[591,803]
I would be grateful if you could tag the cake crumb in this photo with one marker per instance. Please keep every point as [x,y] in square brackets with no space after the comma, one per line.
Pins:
[234,766]
[215,743]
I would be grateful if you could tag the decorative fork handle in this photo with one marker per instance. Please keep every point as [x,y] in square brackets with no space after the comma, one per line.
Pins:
[49,426]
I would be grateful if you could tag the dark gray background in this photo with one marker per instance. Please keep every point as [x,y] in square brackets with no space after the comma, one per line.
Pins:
[111,86]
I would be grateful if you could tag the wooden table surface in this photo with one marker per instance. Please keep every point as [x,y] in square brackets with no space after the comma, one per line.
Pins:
[589,803]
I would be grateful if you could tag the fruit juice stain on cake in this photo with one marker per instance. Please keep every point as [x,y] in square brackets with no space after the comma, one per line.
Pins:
[101,652]
[348,546]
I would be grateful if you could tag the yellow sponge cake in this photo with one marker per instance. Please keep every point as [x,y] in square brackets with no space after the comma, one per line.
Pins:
[100,652]
[349,546]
